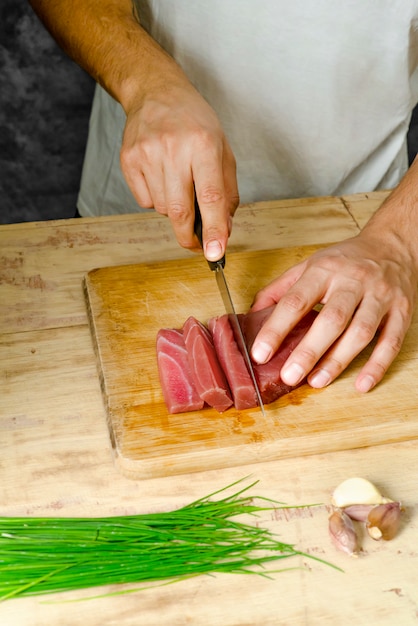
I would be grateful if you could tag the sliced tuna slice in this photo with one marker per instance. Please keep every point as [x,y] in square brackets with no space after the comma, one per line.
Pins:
[232,363]
[177,383]
[209,378]
[268,375]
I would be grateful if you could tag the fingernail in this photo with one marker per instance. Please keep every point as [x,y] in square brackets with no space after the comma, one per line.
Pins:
[365,383]
[292,374]
[320,378]
[213,250]
[261,352]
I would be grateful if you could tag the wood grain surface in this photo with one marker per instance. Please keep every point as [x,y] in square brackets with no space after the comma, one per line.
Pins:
[56,456]
[128,304]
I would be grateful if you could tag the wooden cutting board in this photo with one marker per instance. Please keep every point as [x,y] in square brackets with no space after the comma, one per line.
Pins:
[128,304]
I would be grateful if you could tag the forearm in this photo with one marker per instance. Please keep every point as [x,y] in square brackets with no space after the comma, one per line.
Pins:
[105,39]
[396,221]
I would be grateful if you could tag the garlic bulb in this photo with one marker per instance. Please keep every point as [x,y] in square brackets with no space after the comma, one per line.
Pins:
[360,500]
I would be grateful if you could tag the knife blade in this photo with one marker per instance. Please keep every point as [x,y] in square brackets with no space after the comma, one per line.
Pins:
[218,268]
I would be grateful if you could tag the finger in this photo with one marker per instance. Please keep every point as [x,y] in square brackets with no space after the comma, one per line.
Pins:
[132,161]
[179,194]
[330,324]
[138,185]
[155,180]
[215,204]
[171,189]
[290,309]
[359,334]
[366,323]
[230,182]
[169,194]
[179,198]
[273,292]
[387,348]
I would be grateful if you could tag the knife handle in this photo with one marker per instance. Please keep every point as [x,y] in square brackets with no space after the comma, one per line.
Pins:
[198,232]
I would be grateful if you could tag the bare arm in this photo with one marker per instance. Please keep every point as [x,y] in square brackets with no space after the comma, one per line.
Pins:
[105,38]
[366,283]
[173,141]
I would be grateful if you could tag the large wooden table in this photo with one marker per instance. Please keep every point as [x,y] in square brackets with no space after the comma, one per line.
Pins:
[56,457]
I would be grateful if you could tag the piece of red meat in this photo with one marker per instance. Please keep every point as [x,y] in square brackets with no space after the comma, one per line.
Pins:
[268,375]
[209,378]
[185,390]
[177,383]
[232,363]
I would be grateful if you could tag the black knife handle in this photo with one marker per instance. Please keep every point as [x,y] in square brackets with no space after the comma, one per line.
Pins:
[198,232]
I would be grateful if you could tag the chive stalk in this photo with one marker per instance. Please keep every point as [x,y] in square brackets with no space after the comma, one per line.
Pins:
[48,555]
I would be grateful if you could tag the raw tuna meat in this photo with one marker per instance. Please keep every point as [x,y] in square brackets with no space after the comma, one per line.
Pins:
[209,378]
[177,383]
[268,375]
[233,363]
[196,365]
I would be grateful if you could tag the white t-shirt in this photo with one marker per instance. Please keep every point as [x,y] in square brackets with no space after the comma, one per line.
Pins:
[314,96]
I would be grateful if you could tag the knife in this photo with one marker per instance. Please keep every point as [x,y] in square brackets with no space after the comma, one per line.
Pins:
[218,268]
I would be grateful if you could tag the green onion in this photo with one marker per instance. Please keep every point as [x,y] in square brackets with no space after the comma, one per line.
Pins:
[47,555]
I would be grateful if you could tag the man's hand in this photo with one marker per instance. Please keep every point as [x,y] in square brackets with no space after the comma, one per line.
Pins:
[365,284]
[173,144]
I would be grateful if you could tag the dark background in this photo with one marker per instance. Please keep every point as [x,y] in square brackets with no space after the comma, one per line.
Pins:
[45,102]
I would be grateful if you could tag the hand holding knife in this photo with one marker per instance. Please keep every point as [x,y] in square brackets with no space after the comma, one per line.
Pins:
[218,268]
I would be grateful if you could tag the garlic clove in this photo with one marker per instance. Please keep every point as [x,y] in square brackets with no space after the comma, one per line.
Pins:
[358,512]
[384,520]
[356,490]
[342,533]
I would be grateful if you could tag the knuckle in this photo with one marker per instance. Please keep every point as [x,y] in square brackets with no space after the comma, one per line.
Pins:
[185,243]
[383,291]
[305,355]
[129,151]
[160,207]
[146,203]
[205,139]
[365,331]
[405,307]
[127,159]
[393,344]
[211,195]
[294,301]
[271,336]
[233,204]
[359,273]
[383,355]
[138,154]
[336,316]
[334,366]
[378,369]
[178,212]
